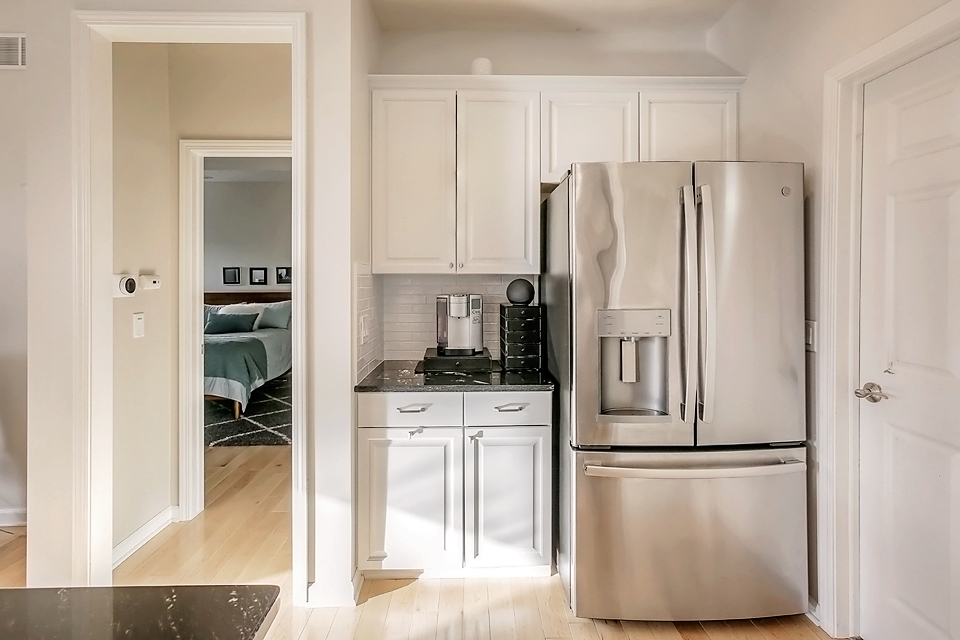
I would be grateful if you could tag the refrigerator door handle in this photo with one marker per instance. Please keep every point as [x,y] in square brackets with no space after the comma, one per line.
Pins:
[708,305]
[690,332]
[703,473]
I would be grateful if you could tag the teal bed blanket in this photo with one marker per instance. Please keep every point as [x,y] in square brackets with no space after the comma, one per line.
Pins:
[239,360]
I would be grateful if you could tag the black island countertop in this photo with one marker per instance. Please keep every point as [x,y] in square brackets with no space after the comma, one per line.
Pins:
[401,375]
[227,612]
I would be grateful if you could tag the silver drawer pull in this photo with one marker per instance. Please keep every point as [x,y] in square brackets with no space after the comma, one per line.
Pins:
[476,436]
[414,408]
[513,407]
[416,431]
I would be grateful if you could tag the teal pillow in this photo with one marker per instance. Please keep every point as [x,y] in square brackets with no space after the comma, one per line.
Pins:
[230,323]
[208,309]
[276,315]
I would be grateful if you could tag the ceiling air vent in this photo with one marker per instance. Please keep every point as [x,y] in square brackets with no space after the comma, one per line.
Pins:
[13,50]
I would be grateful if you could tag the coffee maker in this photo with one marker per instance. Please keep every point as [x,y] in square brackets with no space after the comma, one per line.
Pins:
[459,324]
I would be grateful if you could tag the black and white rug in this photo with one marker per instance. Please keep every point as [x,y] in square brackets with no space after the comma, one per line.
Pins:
[267,419]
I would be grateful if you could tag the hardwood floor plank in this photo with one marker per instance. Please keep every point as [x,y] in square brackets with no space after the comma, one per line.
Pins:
[450,619]
[476,610]
[374,614]
[526,611]
[400,613]
[503,622]
[732,630]
[428,595]
[553,609]
[685,631]
[345,621]
[423,625]
[584,631]
[610,630]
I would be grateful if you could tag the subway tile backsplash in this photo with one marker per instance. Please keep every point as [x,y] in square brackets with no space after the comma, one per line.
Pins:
[410,310]
[369,294]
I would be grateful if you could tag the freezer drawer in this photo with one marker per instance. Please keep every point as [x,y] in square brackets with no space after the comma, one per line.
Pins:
[690,536]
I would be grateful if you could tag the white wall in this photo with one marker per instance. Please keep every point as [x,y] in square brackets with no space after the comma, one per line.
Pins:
[518,53]
[13,282]
[785,48]
[143,203]
[246,224]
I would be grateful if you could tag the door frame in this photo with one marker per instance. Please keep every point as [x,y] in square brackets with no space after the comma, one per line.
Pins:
[93,33]
[837,368]
[191,268]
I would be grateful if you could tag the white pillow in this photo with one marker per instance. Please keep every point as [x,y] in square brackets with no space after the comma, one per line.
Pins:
[245,308]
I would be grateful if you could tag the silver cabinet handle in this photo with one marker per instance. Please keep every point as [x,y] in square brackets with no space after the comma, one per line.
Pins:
[414,408]
[871,392]
[476,436]
[460,265]
[513,407]
[450,265]
[703,473]
[416,431]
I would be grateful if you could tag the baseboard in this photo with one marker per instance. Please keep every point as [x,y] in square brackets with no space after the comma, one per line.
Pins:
[13,517]
[357,585]
[537,571]
[129,545]
[814,613]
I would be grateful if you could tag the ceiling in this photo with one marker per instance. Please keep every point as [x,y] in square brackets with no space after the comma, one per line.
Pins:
[246,170]
[590,16]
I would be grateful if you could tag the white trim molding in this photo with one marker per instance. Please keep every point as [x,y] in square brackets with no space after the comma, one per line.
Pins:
[192,155]
[91,93]
[129,545]
[838,538]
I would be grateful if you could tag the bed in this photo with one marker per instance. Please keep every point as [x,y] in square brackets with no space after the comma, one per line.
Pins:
[237,363]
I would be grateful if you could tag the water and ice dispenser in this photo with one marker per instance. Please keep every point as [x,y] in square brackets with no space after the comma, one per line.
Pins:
[633,362]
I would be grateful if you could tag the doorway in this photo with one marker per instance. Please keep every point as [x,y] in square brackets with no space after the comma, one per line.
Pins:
[910,351]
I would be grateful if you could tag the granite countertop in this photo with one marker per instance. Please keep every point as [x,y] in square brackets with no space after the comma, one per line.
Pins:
[227,612]
[399,375]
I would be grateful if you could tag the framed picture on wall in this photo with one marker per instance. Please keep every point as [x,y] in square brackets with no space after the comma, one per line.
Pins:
[284,275]
[231,275]
[258,275]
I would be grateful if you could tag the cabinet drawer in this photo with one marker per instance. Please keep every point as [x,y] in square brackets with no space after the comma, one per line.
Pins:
[413,409]
[504,408]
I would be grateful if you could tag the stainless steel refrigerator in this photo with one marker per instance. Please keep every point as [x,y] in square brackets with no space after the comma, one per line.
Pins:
[674,314]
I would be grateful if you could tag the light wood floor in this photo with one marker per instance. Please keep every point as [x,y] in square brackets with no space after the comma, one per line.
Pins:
[243,536]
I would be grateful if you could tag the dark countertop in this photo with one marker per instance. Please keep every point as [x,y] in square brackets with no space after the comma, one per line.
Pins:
[227,612]
[399,375]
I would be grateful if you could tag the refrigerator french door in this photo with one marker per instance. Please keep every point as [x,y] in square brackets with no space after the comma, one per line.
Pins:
[674,300]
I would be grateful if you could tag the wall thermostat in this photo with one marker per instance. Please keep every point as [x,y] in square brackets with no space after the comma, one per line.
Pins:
[149,281]
[124,285]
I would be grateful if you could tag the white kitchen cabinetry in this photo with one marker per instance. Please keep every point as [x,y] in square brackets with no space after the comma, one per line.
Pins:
[414,197]
[498,182]
[410,496]
[507,473]
[688,125]
[417,486]
[586,126]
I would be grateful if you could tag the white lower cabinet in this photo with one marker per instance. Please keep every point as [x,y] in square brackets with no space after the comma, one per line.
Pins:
[410,494]
[452,500]
[507,496]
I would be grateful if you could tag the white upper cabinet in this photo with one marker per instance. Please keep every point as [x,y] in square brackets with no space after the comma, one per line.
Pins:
[688,125]
[498,182]
[414,181]
[586,126]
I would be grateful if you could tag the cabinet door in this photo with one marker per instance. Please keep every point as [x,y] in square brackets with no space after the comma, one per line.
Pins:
[414,197]
[498,182]
[688,125]
[410,498]
[586,126]
[508,497]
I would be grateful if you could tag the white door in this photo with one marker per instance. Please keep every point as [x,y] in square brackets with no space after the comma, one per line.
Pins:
[410,498]
[910,346]
[508,499]
[414,197]
[498,182]
[688,125]
[586,126]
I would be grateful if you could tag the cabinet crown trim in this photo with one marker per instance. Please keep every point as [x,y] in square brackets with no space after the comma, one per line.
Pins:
[556,83]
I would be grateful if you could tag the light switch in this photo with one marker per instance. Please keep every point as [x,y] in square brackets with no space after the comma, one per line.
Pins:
[139,325]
